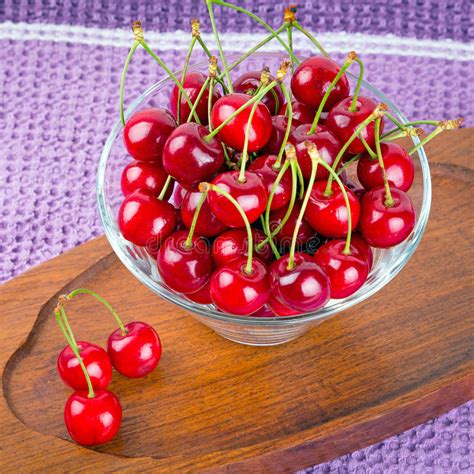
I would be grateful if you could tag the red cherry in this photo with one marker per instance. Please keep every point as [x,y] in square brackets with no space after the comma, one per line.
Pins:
[343,122]
[146,132]
[138,352]
[399,168]
[177,197]
[279,126]
[383,226]
[207,224]
[362,246]
[184,269]
[251,196]
[92,421]
[249,82]
[237,292]
[347,273]
[192,84]
[279,309]
[145,220]
[312,78]
[233,134]
[326,142]
[188,158]
[233,244]
[303,288]
[95,359]
[302,113]
[202,296]
[328,214]
[263,166]
[264,312]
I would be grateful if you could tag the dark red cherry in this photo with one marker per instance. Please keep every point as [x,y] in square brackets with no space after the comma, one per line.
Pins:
[383,226]
[344,123]
[207,224]
[95,359]
[146,132]
[233,134]
[326,142]
[138,352]
[233,244]
[249,82]
[202,296]
[192,84]
[237,292]
[184,269]
[327,215]
[263,166]
[347,273]
[251,196]
[362,246]
[303,288]
[264,312]
[145,220]
[279,126]
[355,187]
[190,159]
[279,309]
[399,168]
[302,113]
[313,77]
[92,421]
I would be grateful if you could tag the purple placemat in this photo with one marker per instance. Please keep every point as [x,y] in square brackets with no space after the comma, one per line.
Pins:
[60,99]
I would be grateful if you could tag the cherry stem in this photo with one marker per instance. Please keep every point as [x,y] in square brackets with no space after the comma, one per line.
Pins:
[209,102]
[183,75]
[388,194]
[348,163]
[198,98]
[353,106]
[102,300]
[189,241]
[311,38]
[440,127]
[289,109]
[289,32]
[267,231]
[401,126]
[407,132]
[165,188]
[134,47]
[371,152]
[208,54]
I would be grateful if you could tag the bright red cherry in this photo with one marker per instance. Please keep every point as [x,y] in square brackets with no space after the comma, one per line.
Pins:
[138,352]
[233,134]
[207,224]
[279,126]
[249,82]
[279,309]
[189,158]
[234,243]
[344,123]
[146,132]
[95,359]
[251,196]
[145,220]
[192,84]
[347,273]
[399,168]
[235,291]
[302,113]
[362,246]
[326,142]
[264,167]
[92,421]
[313,77]
[184,269]
[383,226]
[328,214]
[303,288]
[202,296]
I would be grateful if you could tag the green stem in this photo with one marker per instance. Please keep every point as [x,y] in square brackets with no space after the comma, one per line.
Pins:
[300,178]
[369,150]
[198,98]
[266,230]
[388,194]
[353,106]
[209,103]
[403,126]
[348,163]
[165,188]
[289,31]
[425,140]
[289,108]
[135,45]
[395,136]
[68,327]
[311,38]
[183,75]
[189,241]
[206,50]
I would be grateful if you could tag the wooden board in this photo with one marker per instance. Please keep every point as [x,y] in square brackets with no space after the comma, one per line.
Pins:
[396,360]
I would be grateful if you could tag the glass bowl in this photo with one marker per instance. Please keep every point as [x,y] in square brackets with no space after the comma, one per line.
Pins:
[259,331]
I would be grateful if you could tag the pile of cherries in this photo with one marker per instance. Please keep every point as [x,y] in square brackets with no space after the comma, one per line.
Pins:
[93,414]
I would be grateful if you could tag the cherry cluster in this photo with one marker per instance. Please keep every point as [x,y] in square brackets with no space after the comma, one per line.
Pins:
[93,414]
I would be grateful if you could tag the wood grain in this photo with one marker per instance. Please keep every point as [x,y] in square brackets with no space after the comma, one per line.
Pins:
[396,360]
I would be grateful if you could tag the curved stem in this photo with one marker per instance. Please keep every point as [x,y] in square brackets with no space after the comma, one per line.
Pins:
[198,98]
[68,327]
[165,188]
[209,103]
[353,106]
[300,178]
[289,109]
[189,241]
[206,50]
[401,126]
[369,150]
[388,194]
[348,163]
[425,140]
[135,45]
[311,38]
[266,230]
[183,75]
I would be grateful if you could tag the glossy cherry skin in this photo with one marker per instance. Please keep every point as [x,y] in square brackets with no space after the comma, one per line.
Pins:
[183,269]
[279,126]
[92,421]
[251,196]
[207,224]
[138,352]
[347,273]
[263,166]
[326,142]
[279,309]
[328,214]
[233,134]
[313,77]
[344,123]
[95,359]
[146,132]
[362,246]
[202,296]
[145,220]
[234,243]
[249,82]
[303,288]
[302,113]
[192,84]
[236,292]
[399,168]
[383,226]
[188,158]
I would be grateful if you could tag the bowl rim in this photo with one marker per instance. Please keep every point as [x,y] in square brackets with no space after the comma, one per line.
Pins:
[115,238]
